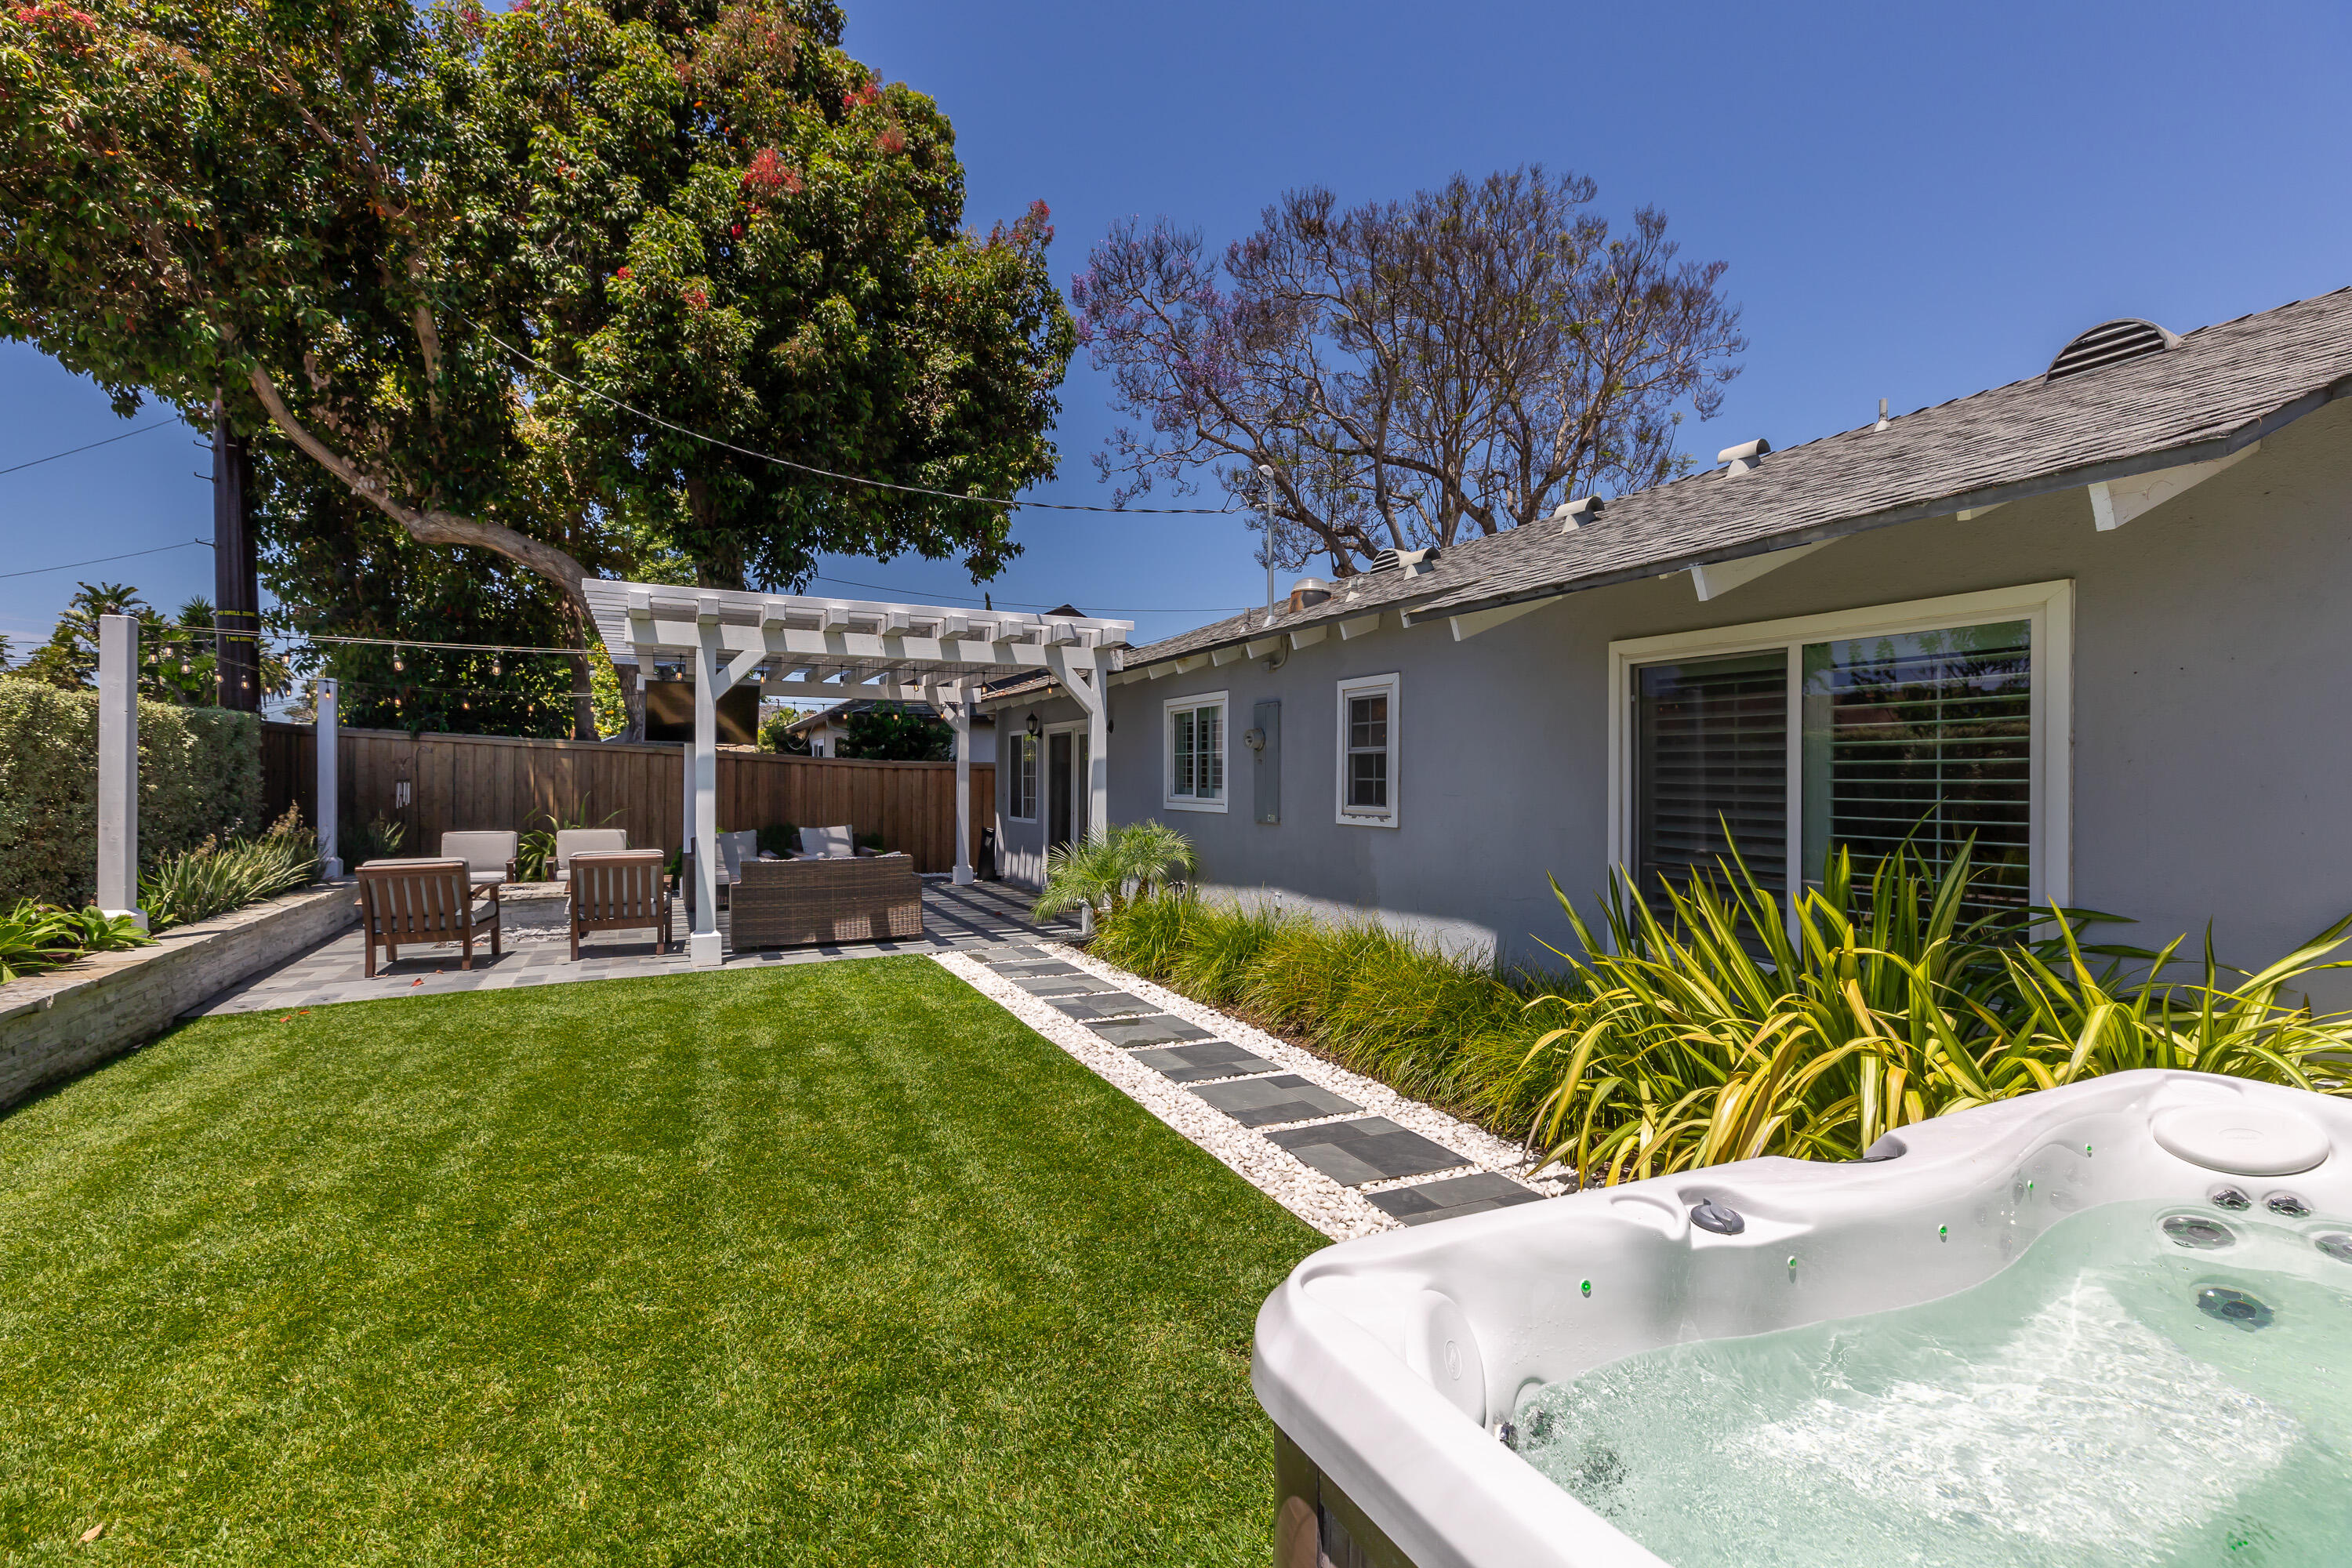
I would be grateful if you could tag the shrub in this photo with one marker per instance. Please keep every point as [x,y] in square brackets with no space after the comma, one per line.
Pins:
[378,838]
[780,838]
[1708,1028]
[199,772]
[37,937]
[224,874]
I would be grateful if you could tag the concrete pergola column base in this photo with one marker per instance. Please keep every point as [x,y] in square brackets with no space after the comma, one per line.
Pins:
[706,950]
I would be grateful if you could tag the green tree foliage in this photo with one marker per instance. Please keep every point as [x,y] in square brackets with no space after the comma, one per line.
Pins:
[329,213]
[892,732]
[176,658]
[775,736]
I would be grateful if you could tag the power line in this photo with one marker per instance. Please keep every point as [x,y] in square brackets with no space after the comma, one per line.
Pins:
[1034,603]
[853,479]
[100,560]
[70,451]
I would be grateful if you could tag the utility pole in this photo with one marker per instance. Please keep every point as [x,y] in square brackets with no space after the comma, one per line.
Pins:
[237,588]
[1266,476]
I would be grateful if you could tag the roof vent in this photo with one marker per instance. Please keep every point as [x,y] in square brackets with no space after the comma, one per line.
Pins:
[1575,515]
[2110,342]
[1307,593]
[1740,459]
[1413,561]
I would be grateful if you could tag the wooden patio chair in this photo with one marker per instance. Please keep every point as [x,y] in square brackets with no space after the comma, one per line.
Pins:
[621,889]
[570,841]
[412,901]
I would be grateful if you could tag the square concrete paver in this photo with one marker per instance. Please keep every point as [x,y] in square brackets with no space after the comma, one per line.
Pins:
[1196,1064]
[1105,1004]
[1262,1101]
[1475,1194]
[1038,970]
[1061,984]
[1159,1029]
[1372,1150]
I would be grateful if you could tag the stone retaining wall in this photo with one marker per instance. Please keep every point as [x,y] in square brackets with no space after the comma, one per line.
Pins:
[55,1026]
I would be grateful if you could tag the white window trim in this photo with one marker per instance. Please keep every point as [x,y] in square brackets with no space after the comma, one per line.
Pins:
[2048,606]
[1222,701]
[1021,739]
[1358,816]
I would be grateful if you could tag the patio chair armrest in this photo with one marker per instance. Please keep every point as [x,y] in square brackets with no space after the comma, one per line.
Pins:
[514,869]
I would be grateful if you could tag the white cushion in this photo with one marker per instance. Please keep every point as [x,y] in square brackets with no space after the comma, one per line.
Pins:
[827,843]
[570,841]
[481,851]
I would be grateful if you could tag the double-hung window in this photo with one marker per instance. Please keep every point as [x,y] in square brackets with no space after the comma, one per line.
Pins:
[1367,751]
[1196,753]
[1023,782]
[1924,726]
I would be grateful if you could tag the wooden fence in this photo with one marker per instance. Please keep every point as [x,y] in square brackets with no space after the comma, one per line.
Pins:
[433,785]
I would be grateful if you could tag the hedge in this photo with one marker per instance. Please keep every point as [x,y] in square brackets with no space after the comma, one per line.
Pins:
[199,773]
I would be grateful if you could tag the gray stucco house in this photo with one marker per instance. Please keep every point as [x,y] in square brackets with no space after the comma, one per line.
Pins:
[2098,617]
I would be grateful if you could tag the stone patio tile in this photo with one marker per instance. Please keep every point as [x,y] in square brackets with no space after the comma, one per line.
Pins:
[1354,1152]
[1455,1196]
[1038,970]
[1262,1101]
[1105,1004]
[1159,1029]
[1196,1064]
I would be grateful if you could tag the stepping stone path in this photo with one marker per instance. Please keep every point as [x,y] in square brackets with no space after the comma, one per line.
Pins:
[1454,1195]
[1327,1131]
[1099,1005]
[1372,1150]
[1199,1064]
[1159,1029]
[1265,1101]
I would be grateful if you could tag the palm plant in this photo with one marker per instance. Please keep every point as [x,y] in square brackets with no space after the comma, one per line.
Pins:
[1109,868]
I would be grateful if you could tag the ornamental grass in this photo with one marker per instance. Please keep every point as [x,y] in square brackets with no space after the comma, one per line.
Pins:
[1709,1023]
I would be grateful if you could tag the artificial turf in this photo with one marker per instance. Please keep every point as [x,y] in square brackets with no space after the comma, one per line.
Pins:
[834,1264]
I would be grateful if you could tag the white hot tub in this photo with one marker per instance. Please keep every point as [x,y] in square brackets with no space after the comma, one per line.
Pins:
[2108,1324]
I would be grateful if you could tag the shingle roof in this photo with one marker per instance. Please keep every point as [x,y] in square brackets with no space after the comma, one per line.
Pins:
[2222,387]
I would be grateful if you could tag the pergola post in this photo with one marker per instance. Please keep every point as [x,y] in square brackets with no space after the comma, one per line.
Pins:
[704,947]
[323,810]
[962,711]
[117,768]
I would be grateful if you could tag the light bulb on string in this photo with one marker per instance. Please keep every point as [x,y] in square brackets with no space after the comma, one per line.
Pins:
[396,665]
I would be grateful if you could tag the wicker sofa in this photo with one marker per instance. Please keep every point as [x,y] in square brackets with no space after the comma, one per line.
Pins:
[790,903]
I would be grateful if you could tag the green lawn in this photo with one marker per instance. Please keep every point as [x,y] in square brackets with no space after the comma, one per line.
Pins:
[831,1264]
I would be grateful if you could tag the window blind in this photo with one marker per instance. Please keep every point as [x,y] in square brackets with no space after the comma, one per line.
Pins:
[1924,738]
[1711,747]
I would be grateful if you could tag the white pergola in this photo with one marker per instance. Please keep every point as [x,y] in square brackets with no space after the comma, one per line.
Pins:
[834,650]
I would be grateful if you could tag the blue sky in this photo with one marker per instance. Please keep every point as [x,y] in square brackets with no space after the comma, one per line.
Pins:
[1916,202]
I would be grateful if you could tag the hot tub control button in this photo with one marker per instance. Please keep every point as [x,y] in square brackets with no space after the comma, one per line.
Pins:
[2229,1198]
[2204,1235]
[1720,1218]
[2287,1206]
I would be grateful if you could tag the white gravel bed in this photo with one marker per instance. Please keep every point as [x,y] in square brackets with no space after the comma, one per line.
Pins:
[1314,1197]
[1483,1149]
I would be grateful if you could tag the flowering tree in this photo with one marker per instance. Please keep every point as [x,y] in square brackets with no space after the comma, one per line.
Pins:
[410,248]
[1388,375]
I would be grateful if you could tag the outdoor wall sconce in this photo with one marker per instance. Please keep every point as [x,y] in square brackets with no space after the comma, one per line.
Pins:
[1034,727]
[1253,738]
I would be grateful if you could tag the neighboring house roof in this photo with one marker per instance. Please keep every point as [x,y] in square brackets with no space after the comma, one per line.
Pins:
[2216,391]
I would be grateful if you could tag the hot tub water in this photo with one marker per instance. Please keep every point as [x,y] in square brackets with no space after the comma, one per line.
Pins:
[2125,1392]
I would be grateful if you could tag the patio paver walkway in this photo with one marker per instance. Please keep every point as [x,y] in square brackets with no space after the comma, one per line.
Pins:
[955,919]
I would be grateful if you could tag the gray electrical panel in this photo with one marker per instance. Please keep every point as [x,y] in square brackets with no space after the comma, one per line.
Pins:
[1267,722]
